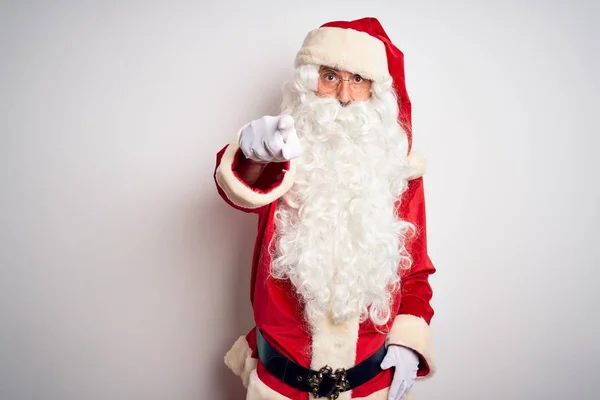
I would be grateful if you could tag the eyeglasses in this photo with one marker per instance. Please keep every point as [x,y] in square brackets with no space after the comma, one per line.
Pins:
[331,80]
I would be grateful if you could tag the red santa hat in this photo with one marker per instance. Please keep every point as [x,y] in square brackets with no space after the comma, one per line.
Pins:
[361,47]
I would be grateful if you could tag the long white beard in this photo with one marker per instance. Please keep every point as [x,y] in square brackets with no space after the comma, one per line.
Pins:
[338,238]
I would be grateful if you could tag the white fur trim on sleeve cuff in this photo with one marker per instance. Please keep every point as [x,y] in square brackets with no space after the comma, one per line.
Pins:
[239,360]
[238,192]
[413,332]
[417,165]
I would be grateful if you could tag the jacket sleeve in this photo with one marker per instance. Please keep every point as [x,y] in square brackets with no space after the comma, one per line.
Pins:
[411,325]
[275,181]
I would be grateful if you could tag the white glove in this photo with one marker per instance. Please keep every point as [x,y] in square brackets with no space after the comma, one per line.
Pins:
[406,364]
[270,139]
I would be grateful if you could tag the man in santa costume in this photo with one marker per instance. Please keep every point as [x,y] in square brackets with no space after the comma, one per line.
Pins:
[340,274]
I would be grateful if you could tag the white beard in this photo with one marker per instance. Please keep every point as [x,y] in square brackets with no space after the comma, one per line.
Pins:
[338,238]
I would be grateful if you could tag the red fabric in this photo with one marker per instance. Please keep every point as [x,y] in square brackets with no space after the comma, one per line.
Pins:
[251,340]
[370,339]
[395,59]
[416,290]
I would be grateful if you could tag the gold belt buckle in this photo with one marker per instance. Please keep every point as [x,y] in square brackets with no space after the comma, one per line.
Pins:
[314,381]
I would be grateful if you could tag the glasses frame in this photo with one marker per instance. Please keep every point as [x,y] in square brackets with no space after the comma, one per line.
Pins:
[356,87]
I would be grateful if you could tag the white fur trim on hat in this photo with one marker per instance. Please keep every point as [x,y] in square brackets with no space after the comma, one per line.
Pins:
[347,49]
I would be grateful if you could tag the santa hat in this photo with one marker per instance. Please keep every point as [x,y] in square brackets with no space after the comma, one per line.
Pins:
[361,47]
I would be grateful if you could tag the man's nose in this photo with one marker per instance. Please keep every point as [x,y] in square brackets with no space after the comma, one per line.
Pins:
[344,95]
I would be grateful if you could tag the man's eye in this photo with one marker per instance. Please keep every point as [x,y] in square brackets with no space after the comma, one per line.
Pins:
[358,78]
[330,77]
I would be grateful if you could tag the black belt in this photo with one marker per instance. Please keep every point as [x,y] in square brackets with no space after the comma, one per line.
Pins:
[322,383]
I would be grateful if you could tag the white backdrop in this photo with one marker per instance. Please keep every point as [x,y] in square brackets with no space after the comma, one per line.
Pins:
[123,274]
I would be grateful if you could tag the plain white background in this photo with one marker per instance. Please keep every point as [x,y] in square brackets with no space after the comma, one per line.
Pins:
[125,277]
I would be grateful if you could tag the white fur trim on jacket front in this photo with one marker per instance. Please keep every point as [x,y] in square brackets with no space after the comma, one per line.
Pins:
[239,360]
[238,192]
[335,345]
[347,49]
[413,332]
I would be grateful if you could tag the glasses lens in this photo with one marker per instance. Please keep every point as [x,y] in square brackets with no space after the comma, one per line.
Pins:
[329,81]
[361,86]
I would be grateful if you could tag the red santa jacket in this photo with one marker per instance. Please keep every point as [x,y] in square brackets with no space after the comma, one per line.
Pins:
[278,313]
